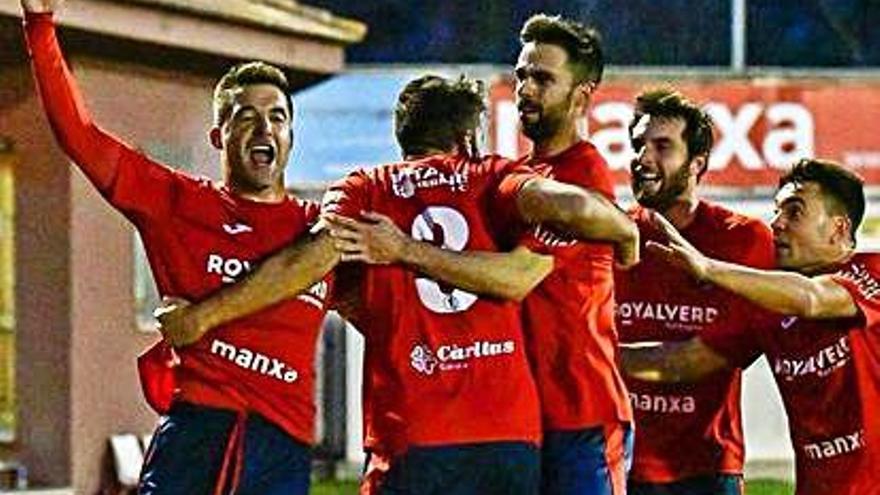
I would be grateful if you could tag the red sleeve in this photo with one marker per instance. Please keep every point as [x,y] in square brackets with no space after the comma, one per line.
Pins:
[756,249]
[349,196]
[130,181]
[741,347]
[740,343]
[861,278]
[513,176]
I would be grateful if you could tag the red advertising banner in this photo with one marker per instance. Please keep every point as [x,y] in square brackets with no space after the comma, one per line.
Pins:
[762,125]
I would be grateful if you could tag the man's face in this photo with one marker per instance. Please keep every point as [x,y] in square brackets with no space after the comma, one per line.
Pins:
[256,138]
[544,88]
[661,172]
[804,231]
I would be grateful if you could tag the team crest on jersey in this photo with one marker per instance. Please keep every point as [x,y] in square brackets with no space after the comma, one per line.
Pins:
[406,181]
[422,359]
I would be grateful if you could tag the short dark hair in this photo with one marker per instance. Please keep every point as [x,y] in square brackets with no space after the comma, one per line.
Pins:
[843,190]
[246,74]
[434,113]
[582,44]
[666,103]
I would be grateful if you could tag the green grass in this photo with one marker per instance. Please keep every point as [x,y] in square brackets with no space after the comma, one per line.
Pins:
[334,488]
[757,487]
[765,487]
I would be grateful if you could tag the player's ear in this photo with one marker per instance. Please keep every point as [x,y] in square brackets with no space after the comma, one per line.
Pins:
[583,92]
[841,229]
[215,136]
[698,165]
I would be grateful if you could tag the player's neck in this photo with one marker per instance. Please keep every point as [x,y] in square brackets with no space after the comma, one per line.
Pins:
[274,194]
[682,212]
[556,144]
[830,261]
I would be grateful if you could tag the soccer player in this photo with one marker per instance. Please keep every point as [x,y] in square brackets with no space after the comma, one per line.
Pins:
[823,344]
[449,401]
[243,416]
[689,438]
[569,318]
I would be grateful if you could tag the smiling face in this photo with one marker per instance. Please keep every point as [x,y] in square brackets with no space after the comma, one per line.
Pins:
[255,139]
[806,235]
[662,171]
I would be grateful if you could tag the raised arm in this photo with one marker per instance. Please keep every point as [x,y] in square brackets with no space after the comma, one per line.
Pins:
[671,362]
[783,292]
[582,213]
[97,153]
[285,274]
[377,240]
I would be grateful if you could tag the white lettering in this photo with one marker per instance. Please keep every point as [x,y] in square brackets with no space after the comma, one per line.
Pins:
[786,145]
[835,446]
[665,404]
[254,361]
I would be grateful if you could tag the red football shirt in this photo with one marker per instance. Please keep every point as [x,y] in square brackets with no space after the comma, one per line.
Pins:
[199,236]
[688,429]
[442,366]
[569,317]
[828,373]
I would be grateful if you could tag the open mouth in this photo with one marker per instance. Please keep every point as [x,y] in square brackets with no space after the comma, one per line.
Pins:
[262,154]
[781,246]
[647,178]
[529,110]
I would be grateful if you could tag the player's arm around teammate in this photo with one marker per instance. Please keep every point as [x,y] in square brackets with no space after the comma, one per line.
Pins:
[512,275]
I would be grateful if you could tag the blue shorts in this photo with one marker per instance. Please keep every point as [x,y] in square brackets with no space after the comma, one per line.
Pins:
[593,461]
[496,468]
[719,484]
[192,443]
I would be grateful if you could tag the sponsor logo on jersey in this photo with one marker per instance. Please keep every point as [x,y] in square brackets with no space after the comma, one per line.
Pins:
[821,364]
[864,280]
[663,403]
[788,321]
[406,181]
[236,228]
[453,356]
[674,316]
[834,447]
[254,361]
[232,269]
[229,269]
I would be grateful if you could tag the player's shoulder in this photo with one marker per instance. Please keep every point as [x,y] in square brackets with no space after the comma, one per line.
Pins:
[864,260]
[735,224]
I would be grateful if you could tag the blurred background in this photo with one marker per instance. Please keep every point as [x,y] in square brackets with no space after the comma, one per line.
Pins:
[782,79]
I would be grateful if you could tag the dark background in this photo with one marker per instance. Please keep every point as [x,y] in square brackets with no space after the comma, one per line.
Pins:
[791,33]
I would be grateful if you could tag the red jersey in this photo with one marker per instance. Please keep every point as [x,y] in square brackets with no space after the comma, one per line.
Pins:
[442,366]
[569,317]
[688,429]
[199,236]
[828,373]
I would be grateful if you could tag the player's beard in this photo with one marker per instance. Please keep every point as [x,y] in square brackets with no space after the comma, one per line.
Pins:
[549,123]
[670,189]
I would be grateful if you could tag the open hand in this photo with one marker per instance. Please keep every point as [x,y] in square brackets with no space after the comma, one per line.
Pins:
[678,251]
[375,240]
